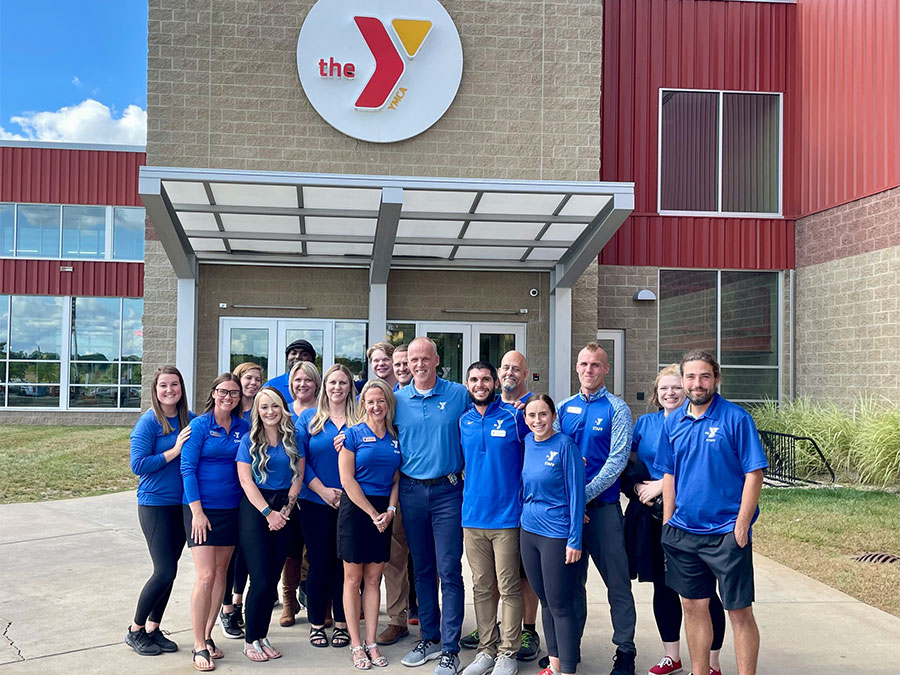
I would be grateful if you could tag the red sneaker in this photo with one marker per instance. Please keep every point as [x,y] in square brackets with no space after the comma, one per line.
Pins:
[547,671]
[666,666]
[713,671]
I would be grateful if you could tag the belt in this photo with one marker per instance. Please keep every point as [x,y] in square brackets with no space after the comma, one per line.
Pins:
[596,503]
[452,478]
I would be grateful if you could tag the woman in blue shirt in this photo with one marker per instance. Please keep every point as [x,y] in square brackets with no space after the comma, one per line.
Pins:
[250,376]
[550,537]
[304,382]
[319,502]
[212,493]
[156,443]
[369,466]
[642,484]
[271,473]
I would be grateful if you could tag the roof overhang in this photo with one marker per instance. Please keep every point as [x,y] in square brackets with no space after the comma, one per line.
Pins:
[381,222]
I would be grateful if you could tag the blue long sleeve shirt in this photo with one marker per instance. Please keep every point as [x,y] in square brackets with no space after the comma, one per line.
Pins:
[208,467]
[645,440]
[601,426]
[553,487]
[493,447]
[321,458]
[160,481]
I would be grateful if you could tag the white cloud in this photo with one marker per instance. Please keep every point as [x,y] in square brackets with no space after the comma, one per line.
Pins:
[76,81]
[88,122]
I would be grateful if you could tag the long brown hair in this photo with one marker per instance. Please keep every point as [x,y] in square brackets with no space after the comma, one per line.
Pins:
[181,408]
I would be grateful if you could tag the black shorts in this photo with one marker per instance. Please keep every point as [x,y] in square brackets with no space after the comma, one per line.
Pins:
[224,524]
[694,562]
[358,540]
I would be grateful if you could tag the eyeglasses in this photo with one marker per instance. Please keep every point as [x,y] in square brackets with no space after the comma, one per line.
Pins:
[226,393]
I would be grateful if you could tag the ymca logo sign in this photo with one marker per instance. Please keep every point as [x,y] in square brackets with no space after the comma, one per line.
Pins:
[380,72]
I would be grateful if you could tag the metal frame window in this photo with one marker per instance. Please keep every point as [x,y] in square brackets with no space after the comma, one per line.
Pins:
[9,237]
[26,378]
[719,151]
[730,365]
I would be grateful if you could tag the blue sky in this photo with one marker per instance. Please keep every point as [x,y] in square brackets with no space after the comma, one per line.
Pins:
[73,70]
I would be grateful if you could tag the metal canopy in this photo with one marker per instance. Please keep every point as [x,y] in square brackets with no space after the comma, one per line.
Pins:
[381,222]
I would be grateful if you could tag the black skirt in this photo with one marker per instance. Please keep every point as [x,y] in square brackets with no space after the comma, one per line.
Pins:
[224,530]
[359,541]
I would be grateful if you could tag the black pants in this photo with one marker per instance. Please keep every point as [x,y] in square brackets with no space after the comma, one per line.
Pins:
[236,576]
[164,531]
[556,585]
[325,579]
[667,612]
[264,551]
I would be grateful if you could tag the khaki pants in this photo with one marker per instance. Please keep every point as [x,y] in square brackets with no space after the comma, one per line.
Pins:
[493,557]
[396,580]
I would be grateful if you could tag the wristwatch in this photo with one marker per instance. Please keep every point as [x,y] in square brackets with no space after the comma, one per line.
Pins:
[392,509]
[266,511]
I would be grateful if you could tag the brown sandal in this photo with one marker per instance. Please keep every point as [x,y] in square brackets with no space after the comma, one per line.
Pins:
[203,654]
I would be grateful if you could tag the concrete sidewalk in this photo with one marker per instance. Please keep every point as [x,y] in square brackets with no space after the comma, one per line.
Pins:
[71,571]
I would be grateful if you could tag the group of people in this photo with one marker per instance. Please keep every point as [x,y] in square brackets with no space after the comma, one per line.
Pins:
[302,468]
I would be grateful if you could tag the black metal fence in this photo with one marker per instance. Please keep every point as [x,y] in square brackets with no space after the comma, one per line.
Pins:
[781,451]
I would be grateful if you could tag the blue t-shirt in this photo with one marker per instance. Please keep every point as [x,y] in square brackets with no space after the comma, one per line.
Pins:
[207,462]
[160,481]
[601,426]
[645,440]
[278,467]
[281,384]
[493,447]
[429,429]
[321,457]
[708,456]
[377,459]
[553,489]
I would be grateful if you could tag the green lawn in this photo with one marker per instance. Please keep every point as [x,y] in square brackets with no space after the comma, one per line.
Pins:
[51,462]
[819,531]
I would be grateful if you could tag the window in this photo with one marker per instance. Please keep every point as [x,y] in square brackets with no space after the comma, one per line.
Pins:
[719,152]
[71,232]
[732,315]
[97,366]
[350,347]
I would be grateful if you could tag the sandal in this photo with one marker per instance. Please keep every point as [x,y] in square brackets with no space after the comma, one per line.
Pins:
[317,637]
[212,649]
[203,654]
[254,651]
[378,661]
[269,650]
[360,657]
[340,638]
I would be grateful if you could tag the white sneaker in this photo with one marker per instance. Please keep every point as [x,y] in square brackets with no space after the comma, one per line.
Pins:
[482,665]
[505,664]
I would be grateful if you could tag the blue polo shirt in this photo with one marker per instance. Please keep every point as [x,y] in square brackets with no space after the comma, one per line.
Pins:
[708,456]
[553,489]
[645,440]
[207,462]
[321,458]
[278,467]
[281,384]
[493,447]
[429,429]
[601,427]
[377,459]
[160,481]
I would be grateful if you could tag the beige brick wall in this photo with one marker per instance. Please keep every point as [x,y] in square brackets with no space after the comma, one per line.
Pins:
[848,327]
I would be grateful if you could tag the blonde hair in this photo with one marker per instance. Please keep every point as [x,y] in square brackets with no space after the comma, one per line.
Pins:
[672,369]
[389,399]
[317,423]
[259,444]
[311,371]
[386,347]
[242,368]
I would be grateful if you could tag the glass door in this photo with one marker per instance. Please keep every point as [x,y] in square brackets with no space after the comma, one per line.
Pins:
[613,341]
[492,341]
[317,333]
[263,341]
[461,344]
[453,347]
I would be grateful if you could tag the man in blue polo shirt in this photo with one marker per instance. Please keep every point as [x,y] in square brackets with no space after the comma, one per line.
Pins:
[712,461]
[601,425]
[298,350]
[427,421]
[492,435]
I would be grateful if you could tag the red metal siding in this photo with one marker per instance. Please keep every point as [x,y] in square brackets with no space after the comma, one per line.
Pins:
[58,176]
[692,44]
[90,278]
[849,64]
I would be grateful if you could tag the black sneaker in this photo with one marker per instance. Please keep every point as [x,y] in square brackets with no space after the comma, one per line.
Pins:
[140,642]
[624,663]
[470,641]
[159,638]
[531,643]
[545,661]
[230,628]
[239,610]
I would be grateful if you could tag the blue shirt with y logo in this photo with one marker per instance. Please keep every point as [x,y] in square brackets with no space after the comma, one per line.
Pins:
[377,459]
[208,467]
[493,447]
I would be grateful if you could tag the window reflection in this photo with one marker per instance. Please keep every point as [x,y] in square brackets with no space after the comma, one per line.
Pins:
[38,231]
[350,347]
[7,228]
[687,313]
[95,329]
[132,329]
[250,344]
[128,234]
[84,231]
[36,327]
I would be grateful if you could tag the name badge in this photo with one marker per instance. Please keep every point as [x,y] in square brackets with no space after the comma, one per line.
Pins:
[499,433]
[216,434]
[575,410]
[369,439]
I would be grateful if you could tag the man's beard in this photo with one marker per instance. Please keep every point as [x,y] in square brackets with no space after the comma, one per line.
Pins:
[487,401]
